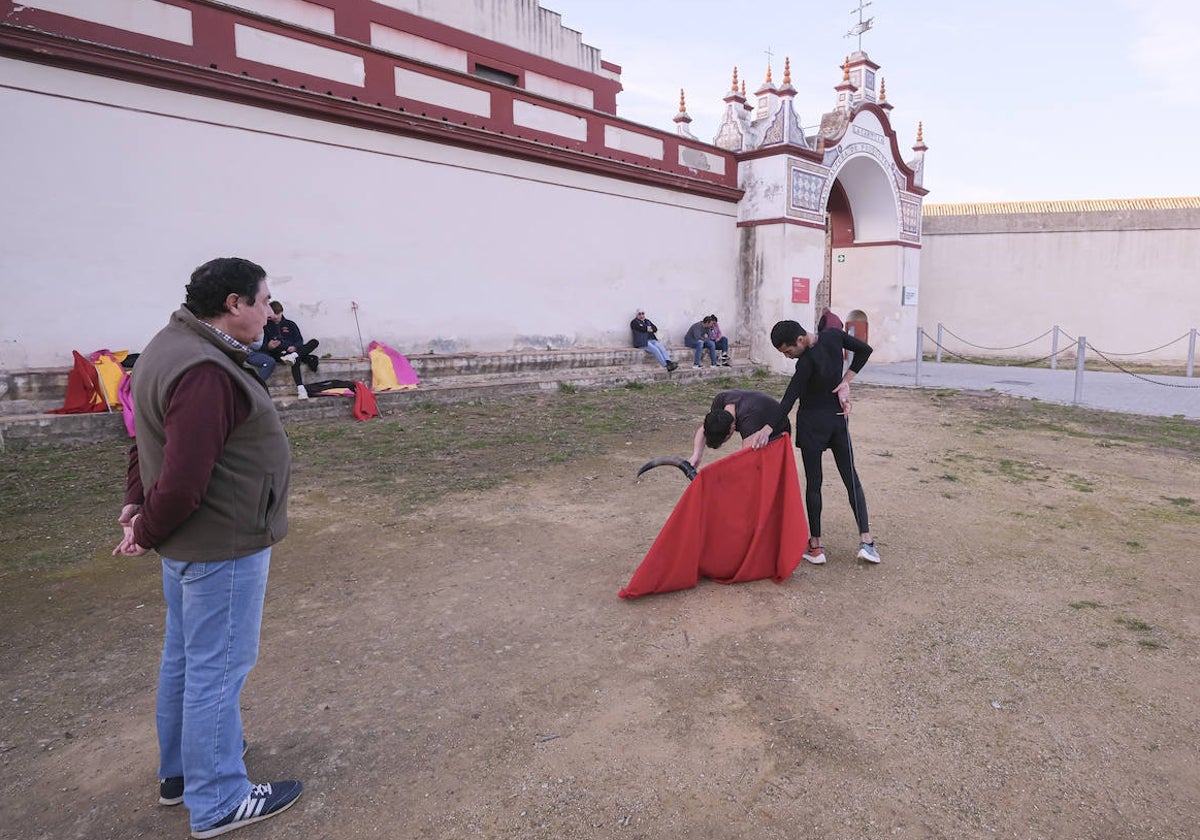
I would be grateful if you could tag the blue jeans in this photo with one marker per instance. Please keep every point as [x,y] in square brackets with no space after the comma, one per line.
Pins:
[658,351]
[700,345]
[214,611]
[263,364]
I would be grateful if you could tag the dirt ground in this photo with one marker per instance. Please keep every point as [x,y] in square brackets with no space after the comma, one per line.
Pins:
[1023,664]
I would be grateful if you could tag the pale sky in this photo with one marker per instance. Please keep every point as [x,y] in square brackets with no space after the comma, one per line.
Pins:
[1021,100]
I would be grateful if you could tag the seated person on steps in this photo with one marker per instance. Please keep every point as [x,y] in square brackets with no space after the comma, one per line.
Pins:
[720,340]
[645,336]
[699,338]
[283,340]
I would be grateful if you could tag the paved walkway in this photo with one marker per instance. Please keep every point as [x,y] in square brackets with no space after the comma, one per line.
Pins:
[1164,396]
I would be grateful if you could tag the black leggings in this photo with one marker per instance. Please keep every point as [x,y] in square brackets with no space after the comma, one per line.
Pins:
[814,435]
[304,355]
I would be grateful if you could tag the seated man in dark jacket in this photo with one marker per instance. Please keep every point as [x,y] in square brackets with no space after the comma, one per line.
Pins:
[283,340]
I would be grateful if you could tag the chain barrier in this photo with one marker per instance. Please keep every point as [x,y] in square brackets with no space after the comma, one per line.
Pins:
[1138,375]
[1013,347]
[971,361]
[1072,339]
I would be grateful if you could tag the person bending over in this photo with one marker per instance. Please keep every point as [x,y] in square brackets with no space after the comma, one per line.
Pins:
[823,392]
[752,414]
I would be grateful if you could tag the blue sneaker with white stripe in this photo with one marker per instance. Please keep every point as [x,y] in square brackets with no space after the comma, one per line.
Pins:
[866,551]
[264,802]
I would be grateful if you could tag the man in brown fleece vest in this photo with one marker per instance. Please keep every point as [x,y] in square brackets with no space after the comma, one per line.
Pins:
[207,488]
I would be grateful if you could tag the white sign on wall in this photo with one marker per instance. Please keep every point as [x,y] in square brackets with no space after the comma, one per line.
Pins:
[910,296]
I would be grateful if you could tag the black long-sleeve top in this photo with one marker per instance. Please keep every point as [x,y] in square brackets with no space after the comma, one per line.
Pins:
[819,370]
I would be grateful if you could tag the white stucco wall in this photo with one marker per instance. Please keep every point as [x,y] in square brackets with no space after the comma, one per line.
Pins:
[114,192]
[871,279]
[1128,291]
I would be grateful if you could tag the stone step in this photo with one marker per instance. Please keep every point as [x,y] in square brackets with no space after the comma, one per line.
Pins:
[40,390]
[25,430]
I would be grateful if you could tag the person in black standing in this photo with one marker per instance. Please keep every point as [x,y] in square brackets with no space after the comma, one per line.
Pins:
[823,392]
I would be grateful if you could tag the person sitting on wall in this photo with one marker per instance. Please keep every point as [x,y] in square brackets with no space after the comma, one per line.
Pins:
[720,340]
[283,340]
[699,339]
[829,321]
[645,336]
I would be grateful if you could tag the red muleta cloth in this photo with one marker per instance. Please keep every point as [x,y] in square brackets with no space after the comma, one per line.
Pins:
[741,519]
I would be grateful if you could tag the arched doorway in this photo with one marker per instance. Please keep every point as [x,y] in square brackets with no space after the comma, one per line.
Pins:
[862,210]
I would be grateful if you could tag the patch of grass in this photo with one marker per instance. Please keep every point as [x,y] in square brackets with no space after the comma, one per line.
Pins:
[1179,501]
[948,477]
[634,385]
[1133,543]
[1133,623]
[1017,471]
[567,388]
[947,392]
[1085,605]
[1151,644]
[1080,483]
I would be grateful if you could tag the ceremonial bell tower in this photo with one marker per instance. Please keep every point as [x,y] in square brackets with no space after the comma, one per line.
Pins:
[831,215]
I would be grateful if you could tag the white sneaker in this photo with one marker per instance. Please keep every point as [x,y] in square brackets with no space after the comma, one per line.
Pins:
[695,367]
[301,392]
[288,358]
[866,551]
[815,554]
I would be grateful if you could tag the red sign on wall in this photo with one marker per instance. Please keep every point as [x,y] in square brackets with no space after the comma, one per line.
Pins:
[799,290]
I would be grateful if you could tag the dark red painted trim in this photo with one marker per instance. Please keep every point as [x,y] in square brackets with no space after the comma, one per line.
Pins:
[863,62]
[43,48]
[786,149]
[214,51]
[782,220]
[890,133]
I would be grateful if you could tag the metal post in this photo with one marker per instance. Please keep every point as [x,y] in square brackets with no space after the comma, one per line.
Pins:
[1080,349]
[1054,350]
[939,343]
[1191,351]
[920,353]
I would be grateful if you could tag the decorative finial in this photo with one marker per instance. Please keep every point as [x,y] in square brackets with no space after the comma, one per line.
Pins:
[682,104]
[743,87]
[735,86]
[787,70]
[920,132]
[882,89]
[768,73]
[846,69]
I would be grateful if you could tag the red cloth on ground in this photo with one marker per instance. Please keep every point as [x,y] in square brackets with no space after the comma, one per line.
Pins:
[365,406]
[83,389]
[741,519]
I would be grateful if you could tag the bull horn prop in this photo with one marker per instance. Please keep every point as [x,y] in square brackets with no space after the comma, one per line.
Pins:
[669,460]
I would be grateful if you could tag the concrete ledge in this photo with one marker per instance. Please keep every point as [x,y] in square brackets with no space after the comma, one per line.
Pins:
[459,378]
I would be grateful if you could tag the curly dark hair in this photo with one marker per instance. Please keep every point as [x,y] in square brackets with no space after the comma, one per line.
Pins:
[217,279]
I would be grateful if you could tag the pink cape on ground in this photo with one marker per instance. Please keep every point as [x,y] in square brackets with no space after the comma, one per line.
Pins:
[741,519]
[401,375]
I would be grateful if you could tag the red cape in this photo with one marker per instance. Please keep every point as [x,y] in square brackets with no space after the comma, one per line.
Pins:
[83,389]
[742,518]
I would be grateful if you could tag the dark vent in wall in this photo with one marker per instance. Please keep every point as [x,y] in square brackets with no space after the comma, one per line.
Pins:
[494,75]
